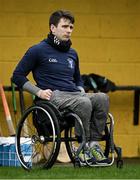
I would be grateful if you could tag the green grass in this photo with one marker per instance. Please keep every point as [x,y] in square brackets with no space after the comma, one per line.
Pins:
[129,171]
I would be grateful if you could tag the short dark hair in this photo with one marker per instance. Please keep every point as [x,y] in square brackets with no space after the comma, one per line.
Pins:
[57,15]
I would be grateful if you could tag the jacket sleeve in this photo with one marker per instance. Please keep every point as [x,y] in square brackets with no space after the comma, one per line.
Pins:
[24,67]
[77,75]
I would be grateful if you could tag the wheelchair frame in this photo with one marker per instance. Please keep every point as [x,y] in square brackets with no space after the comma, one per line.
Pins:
[40,147]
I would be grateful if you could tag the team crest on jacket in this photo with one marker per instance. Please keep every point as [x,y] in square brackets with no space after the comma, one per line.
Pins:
[70,63]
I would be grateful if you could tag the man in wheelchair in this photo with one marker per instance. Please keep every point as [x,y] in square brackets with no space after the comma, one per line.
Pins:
[55,68]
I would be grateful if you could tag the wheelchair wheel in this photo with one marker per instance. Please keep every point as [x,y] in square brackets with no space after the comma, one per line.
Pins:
[74,143]
[107,143]
[37,140]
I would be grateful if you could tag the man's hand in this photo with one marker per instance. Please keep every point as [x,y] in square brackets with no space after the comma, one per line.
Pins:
[44,94]
[81,89]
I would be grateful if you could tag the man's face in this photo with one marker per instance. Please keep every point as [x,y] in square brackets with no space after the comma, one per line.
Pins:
[63,30]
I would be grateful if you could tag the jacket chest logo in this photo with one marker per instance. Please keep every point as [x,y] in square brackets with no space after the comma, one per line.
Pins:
[53,60]
[70,63]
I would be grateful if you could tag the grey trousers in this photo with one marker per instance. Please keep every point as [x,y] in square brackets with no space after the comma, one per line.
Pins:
[92,108]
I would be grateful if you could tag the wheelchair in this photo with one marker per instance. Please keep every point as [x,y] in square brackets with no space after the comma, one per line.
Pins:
[43,127]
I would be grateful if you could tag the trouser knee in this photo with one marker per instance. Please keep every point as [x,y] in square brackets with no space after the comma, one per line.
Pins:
[84,110]
[101,101]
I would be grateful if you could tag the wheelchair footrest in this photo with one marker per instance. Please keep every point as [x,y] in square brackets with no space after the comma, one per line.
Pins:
[91,163]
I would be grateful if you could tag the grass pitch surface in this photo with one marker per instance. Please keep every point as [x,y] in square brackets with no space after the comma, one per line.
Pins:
[67,171]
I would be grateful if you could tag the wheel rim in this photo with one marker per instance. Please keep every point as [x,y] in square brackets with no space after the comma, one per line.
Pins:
[35,150]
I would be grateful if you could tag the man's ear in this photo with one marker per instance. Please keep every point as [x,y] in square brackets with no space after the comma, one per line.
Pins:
[52,28]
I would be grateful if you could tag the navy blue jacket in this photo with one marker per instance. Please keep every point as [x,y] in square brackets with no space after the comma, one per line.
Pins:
[51,69]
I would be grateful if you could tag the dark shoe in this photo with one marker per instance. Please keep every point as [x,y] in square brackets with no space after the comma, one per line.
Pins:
[86,157]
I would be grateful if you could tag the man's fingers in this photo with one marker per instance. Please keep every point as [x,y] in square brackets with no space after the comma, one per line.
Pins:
[45,94]
[48,94]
